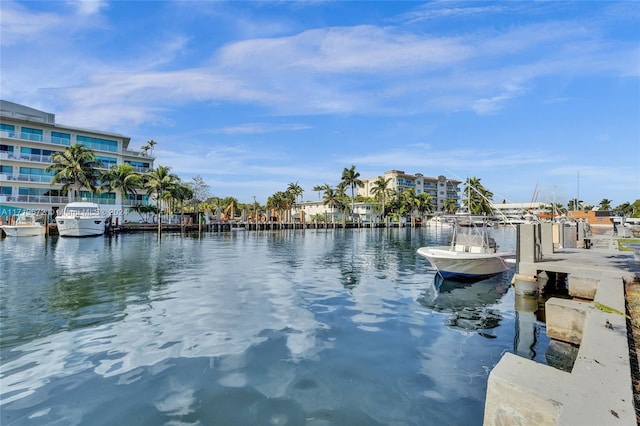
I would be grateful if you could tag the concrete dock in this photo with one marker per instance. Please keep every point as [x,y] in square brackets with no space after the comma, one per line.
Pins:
[598,389]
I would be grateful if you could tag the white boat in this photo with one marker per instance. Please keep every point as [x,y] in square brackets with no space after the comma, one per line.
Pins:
[470,257]
[440,221]
[25,226]
[81,219]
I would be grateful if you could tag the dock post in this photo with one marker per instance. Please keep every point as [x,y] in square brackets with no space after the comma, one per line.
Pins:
[546,237]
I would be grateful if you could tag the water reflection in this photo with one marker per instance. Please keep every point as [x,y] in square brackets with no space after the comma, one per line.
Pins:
[242,328]
[470,306]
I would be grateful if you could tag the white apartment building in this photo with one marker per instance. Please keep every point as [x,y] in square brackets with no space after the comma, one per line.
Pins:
[29,137]
[518,210]
[440,188]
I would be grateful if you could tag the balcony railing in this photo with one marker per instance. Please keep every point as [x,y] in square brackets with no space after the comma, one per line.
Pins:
[132,203]
[37,199]
[55,140]
[37,158]
[25,178]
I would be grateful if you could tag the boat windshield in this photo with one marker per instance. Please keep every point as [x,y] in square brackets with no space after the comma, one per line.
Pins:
[469,240]
[81,211]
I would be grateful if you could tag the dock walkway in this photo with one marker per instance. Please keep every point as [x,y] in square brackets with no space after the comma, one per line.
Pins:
[598,390]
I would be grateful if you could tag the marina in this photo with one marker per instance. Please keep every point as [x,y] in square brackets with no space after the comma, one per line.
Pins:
[317,327]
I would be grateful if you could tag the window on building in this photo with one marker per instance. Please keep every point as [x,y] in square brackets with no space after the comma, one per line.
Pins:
[7,170]
[6,148]
[5,190]
[97,143]
[139,165]
[61,138]
[9,129]
[31,134]
[40,192]
[107,162]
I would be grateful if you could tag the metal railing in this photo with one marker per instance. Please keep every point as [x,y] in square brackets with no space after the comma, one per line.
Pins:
[37,199]
[26,178]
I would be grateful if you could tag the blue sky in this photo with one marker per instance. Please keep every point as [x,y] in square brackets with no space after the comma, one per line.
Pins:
[252,96]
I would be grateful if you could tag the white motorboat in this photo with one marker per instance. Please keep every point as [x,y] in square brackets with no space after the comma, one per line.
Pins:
[81,219]
[470,257]
[440,221]
[25,226]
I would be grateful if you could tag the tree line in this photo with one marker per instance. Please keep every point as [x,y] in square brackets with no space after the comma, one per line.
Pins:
[77,167]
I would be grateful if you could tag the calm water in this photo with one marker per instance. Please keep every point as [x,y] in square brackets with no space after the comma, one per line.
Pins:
[315,327]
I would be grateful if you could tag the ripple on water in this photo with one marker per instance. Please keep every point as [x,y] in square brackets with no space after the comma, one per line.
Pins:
[316,328]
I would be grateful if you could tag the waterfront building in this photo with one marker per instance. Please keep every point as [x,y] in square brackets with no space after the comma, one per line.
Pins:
[441,188]
[28,139]
[306,211]
[602,218]
[519,210]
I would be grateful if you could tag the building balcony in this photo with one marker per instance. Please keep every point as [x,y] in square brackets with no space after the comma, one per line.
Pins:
[26,178]
[133,203]
[101,201]
[138,154]
[34,199]
[141,169]
[47,140]
[36,158]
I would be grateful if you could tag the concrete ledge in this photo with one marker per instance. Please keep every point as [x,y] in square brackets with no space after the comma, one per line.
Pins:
[582,287]
[598,391]
[566,319]
[518,393]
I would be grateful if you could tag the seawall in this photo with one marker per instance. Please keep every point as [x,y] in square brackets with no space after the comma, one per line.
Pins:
[598,390]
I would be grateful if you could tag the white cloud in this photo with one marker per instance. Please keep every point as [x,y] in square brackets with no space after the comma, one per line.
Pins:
[88,7]
[253,128]
[18,25]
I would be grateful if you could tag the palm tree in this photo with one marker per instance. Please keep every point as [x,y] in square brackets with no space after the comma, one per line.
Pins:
[181,193]
[450,205]
[380,191]
[122,178]
[478,198]
[158,181]
[424,204]
[151,144]
[626,209]
[331,197]
[296,190]
[279,201]
[319,189]
[574,204]
[76,167]
[605,204]
[351,179]
[408,200]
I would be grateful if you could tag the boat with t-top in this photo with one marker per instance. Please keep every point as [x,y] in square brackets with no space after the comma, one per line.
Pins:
[472,255]
[81,219]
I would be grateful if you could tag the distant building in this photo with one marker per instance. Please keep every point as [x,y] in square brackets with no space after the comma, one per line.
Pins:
[28,139]
[305,212]
[594,217]
[440,188]
[518,210]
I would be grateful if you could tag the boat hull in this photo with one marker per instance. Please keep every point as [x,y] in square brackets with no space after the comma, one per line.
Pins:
[80,226]
[23,230]
[464,266]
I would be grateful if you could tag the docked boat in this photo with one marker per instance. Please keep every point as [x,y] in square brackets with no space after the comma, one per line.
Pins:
[440,221]
[25,226]
[470,257]
[81,219]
